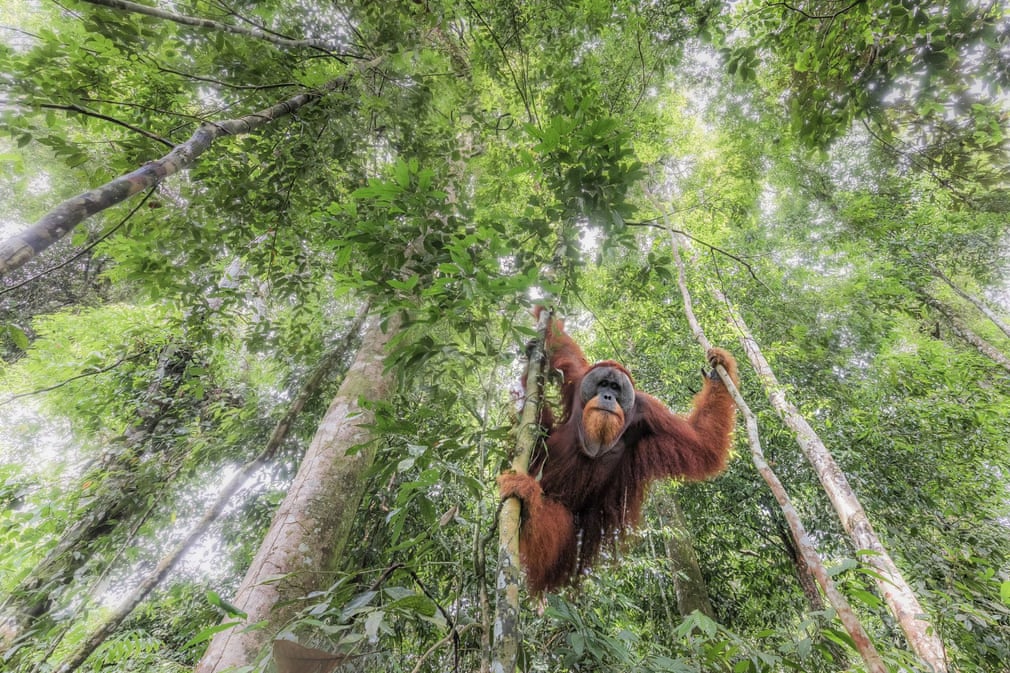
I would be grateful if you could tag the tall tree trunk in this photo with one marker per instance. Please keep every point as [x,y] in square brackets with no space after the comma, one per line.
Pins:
[311,526]
[900,598]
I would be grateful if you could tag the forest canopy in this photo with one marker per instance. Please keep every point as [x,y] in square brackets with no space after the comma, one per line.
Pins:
[267,280]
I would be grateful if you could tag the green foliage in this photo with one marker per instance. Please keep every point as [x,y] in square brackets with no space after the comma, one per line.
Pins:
[494,158]
[839,63]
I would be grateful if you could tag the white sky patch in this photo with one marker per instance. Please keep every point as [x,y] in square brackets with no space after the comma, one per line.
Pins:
[591,240]
[203,558]
[43,444]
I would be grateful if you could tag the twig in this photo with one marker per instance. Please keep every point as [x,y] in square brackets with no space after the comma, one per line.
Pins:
[98,115]
[454,634]
[95,372]
[813,16]
[713,248]
[61,220]
[251,87]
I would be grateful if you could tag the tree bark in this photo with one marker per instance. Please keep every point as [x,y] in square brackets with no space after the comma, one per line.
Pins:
[310,529]
[900,598]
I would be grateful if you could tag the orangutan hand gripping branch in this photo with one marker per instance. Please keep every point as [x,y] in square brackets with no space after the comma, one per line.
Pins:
[599,458]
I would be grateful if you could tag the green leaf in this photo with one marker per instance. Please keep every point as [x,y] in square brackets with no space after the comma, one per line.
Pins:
[18,336]
[206,634]
[372,624]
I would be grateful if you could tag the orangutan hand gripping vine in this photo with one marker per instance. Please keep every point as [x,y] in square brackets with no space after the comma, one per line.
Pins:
[600,457]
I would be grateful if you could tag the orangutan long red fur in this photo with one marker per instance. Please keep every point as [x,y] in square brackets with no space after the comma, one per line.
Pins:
[581,502]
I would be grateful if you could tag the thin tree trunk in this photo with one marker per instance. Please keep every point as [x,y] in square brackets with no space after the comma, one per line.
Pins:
[897,593]
[959,330]
[974,301]
[117,500]
[802,540]
[804,574]
[311,526]
[112,621]
[507,636]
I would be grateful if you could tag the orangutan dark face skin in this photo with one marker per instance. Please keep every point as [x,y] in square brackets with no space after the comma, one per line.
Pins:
[608,398]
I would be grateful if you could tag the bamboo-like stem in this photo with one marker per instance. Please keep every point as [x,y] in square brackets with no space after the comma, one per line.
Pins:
[506,637]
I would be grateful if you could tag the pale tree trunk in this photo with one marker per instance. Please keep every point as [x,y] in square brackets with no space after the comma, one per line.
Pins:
[974,301]
[507,636]
[310,528]
[900,598]
[803,541]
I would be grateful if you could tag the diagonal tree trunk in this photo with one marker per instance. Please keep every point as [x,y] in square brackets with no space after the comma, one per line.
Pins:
[119,499]
[311,526]
[974,301]
[110,622]
[900,598]
[16,251]
[962,332]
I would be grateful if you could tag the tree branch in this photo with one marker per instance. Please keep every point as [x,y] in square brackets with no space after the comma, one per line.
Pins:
[126,6]
[251,87]
[83,250]
[125,358]
[16,251]
[98,115]
[713,248]
[806,15]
